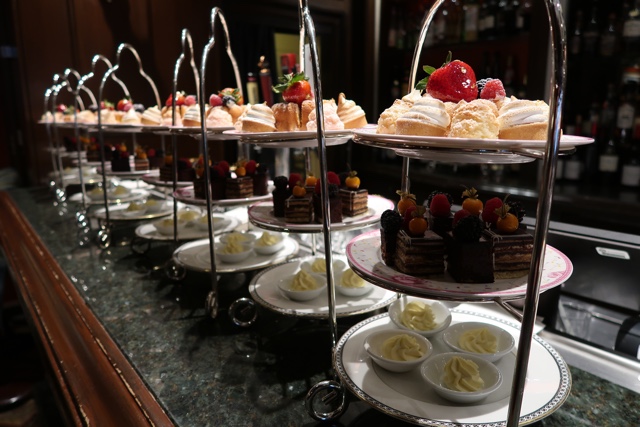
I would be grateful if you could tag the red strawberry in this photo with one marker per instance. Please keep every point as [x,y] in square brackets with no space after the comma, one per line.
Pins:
[493,90]
[215,100]
[124,104]
[294,88]
[489,211]
[294,178]
[462,213]
[408,216]
[190,100]
[61,108]
[440,206]
[333,178]
[224,166]
[250,167]
[454,81]
[151,152]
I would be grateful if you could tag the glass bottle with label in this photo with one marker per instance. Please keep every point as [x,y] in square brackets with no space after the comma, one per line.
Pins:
[609,38]
[608,162]
[591,33]
[631,168]
[575,42]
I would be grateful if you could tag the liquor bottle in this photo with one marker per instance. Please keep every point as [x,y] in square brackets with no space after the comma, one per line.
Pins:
[490,19]
[523,16]
[471,16]
[454,20]
[631,168]
[609,38]
[631,30]
[501,19]
[575,44]
[253,96]
[609,162]
[591,33]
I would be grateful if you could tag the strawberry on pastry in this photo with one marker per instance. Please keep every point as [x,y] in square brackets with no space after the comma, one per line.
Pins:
[294,88]
[452,82]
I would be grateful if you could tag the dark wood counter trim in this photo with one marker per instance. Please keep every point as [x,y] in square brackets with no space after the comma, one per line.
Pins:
[96,382]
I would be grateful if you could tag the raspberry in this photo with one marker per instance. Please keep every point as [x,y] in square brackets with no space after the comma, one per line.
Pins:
[224,165]
[440,206]
[294,178]
[468,229]
[493,90]
[462,213]
[489,211]
[250,167]
[333,178]
[481,83]
[391,221]
[433,193]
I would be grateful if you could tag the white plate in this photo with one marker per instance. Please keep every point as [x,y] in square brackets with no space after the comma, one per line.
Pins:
[261,214]
[195,256]
[264,290]
[412,141]
[297,139]
[153,178]
[224,224]
[117,213]
[407,396]
[117,127]
[136,194]
[457,156]
[363,254]
[125,174]
[186,195]
[154,128]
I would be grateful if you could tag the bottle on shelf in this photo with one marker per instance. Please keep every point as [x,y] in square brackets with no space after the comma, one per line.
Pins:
[609,38]
[501,17]
[575,42]
[630,176]
[523,16]
[253,92]
[631,34]
[471,16]
[573,163]
[490,19]
[393,23]
[609,162]
[591,33]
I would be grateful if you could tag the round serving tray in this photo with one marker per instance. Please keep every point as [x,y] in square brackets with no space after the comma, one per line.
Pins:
[261,215]
[297,139]
[408,397]
[264,290]
[364,257]
[195,256]
[187,196]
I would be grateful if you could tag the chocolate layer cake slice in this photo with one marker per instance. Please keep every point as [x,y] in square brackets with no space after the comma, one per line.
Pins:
[354,202]
[420,256]
[469,262]
[511,252]
[298,210]
[239,188]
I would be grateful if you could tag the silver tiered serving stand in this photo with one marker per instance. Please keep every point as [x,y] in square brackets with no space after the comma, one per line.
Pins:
[104,234]
[534,278]
[174,270]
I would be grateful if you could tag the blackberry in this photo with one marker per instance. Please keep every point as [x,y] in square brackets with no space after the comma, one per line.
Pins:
[281,182]
[468,229]
[480,83]
[139,108]
[391,221]
[516,209]
[433,193]
[228,101]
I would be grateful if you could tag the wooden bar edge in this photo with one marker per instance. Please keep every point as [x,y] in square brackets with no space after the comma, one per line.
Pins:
[94,379]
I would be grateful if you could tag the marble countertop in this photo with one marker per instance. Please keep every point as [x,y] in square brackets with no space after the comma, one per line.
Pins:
[210,372]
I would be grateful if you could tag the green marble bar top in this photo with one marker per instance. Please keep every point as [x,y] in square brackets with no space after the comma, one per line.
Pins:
[210,372]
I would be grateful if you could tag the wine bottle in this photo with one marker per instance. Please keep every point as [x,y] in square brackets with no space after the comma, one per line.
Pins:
[591,33]
[608,162]
[631,168]
[609,39]
[575,43]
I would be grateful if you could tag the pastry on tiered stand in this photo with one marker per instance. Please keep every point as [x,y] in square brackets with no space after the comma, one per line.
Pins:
[350,114]
[120,160]
[298,208]
[355,200]
[140,160]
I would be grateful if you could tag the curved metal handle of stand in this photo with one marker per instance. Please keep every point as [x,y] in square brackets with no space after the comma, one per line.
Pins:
[247,309]
[187,47]
[60,83]
[94,62]
[77,104]
[216,15]
[48,96]
[333,390]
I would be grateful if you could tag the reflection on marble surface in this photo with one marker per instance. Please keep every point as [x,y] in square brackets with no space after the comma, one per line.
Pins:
[212,373]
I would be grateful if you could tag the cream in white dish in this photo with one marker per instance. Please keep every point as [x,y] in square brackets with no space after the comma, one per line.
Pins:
[418,316]
[478,340]
[462,374]
[304,281]
[401,347]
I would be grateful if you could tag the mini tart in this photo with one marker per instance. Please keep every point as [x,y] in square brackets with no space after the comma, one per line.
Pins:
[192,116]
[524,119]
[351,114]
[287,115]
[307,106]
[218,117]
[331,119]
[259,118]
[152,116]
[427,117]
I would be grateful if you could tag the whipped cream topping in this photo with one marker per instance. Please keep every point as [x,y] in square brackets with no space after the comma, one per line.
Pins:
[331,119]
[348,110]
[523,111]
[86,116]
[131,117]
[260,113]
[193,114]
[412,96]
[429,110]
[153,114]
[218,117]
[108,116]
